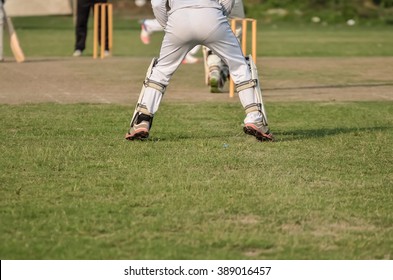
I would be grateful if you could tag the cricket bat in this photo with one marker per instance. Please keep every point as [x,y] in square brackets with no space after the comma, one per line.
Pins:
[14,42]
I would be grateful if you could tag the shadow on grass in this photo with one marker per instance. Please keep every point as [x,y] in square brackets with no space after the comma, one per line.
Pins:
[331,86]
[283,136]
[326,132]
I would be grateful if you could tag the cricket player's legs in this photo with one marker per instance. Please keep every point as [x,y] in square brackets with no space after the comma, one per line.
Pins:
[225,44]
[173,50]
[185,29]
[83,12]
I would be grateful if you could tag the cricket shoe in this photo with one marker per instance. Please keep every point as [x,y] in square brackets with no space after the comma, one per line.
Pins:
[139,130]
[145,35]
[215,82]
[77,53]
[189,59]
[259,131]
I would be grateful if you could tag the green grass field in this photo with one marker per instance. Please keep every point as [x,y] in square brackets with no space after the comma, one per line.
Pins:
[72,188]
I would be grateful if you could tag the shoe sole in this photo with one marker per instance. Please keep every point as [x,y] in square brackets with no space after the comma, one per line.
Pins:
[252,130]
[138,135]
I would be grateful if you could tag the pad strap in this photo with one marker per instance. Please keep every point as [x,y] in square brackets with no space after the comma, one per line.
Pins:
[246,85]
[214,68]
[155,85]
[253,107]
[142,109]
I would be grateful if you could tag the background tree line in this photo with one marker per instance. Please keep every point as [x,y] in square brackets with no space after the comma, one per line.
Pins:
[330,11]
[324,3]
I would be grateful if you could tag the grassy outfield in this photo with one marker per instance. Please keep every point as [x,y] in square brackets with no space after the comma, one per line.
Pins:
[73,188]
[54,36]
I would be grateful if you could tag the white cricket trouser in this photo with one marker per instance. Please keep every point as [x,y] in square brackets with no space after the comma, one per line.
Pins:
[237,10]
[187,28]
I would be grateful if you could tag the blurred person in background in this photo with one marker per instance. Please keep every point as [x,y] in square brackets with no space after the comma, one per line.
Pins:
[82,18]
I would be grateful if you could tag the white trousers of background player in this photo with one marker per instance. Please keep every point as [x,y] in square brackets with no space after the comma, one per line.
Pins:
[187,28]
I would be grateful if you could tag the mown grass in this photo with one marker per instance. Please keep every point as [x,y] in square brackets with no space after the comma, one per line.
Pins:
[73,188]
[55,37]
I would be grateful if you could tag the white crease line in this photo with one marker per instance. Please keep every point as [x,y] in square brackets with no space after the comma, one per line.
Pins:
[53,98]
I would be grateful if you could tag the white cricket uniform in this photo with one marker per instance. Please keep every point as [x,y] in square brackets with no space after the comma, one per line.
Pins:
[237,10]
[188,23]
[152,25]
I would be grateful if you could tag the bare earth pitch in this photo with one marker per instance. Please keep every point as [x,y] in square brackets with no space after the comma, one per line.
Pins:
[118,80]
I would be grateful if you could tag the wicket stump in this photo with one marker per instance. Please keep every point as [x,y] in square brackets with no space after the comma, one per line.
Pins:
[105,11]
[244,23]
